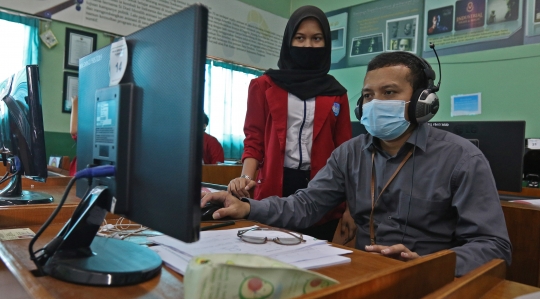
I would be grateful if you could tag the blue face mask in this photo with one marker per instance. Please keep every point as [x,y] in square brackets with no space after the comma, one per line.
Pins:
[385,119]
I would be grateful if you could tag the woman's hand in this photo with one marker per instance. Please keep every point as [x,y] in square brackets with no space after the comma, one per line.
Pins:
[241,186]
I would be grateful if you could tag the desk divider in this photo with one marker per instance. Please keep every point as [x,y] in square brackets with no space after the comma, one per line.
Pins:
[412,279]
[475,283]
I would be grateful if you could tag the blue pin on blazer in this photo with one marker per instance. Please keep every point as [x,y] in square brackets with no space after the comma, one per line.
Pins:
[335,108]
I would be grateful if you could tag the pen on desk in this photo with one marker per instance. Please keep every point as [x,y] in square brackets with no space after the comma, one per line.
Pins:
[222,224]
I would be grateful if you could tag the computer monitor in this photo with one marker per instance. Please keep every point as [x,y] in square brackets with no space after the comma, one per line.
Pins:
[22,137]
[150,128]
[503,144]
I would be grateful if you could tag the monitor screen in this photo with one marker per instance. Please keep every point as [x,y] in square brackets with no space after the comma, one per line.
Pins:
[22,136]
[149,127]
[503,144]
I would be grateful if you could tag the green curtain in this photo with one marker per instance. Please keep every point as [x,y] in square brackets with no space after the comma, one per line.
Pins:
[31,50]
[225,102]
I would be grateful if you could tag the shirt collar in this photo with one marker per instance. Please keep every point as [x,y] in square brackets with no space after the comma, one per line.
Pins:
[422,131]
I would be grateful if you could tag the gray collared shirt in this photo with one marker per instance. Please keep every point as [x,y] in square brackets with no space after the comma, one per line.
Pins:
[444,197]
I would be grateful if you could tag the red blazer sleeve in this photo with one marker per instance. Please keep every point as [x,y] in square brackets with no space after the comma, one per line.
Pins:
[254,125]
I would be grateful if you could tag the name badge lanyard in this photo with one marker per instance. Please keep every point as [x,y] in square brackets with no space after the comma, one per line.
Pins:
[373,201]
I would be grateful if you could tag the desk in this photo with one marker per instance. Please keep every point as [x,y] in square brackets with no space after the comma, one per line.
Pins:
[24,215]
[486,281]
[525,191]
[523,223]
[367,275]
[220,174]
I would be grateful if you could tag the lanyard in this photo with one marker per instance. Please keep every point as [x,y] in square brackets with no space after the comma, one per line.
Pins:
[373,201]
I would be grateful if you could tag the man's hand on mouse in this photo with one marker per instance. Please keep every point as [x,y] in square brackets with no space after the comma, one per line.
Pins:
[233,207]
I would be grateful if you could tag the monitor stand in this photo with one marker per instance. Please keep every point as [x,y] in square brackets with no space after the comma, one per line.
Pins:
[83,258]
[13,194]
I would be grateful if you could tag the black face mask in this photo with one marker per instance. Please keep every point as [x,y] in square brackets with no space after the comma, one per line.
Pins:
[308,58]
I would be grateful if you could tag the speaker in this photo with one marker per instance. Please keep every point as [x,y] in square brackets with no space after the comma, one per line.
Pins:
[424,102]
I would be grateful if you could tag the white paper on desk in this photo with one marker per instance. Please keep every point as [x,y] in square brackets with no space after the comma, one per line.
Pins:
[178,261]
[534,202]
[210,190]
[16,234]
[534,295]
[310,253]
[322,262]
[174,260]
[226,241]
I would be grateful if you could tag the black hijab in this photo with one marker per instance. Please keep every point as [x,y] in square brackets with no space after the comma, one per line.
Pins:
[305,83]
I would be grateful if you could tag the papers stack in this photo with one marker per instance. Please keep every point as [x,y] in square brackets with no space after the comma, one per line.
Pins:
[534,202]
[311,254]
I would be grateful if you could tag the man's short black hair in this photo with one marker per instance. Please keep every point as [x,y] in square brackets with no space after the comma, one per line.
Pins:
[417,77]
[205,119]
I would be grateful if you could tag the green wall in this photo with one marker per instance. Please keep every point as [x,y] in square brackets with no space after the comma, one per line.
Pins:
[508,79]
[57,138]
[58,141]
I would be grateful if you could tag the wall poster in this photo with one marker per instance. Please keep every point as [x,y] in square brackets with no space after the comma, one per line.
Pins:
[361,32]
[472,25]
[237,32]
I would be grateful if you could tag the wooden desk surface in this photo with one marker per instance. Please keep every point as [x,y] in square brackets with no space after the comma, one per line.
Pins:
[220,174]
[24,215]
[167,285]
[525,191]
[366,274]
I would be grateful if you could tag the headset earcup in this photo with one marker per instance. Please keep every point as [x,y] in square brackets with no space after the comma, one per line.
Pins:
[411,111]
[358,109]
[427,106]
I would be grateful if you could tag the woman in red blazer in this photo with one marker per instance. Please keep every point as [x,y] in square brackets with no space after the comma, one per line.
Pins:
[296,116]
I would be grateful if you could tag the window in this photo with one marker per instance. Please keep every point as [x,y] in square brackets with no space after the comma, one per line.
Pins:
[225,103]
[20,40]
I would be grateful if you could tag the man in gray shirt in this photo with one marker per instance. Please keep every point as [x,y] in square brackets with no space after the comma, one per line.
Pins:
[411,189]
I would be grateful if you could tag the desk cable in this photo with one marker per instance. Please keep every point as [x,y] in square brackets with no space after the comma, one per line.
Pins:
[122,230]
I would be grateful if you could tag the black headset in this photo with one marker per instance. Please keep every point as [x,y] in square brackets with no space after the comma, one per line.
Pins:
[424,102]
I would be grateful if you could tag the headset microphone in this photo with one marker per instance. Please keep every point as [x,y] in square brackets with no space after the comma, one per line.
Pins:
[436,88]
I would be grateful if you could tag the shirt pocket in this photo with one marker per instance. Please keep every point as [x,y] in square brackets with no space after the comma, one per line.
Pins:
[423,212]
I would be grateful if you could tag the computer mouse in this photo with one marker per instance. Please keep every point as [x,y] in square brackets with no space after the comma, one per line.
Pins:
[208,210]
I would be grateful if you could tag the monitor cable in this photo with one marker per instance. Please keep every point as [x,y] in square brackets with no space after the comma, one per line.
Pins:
[48,250]
[15,167]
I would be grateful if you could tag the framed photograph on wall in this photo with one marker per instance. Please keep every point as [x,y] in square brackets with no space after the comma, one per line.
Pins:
[55,161]
[78,44]
[71,89]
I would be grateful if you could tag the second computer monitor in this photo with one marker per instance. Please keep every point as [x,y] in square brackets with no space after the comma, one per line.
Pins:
[503,144]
